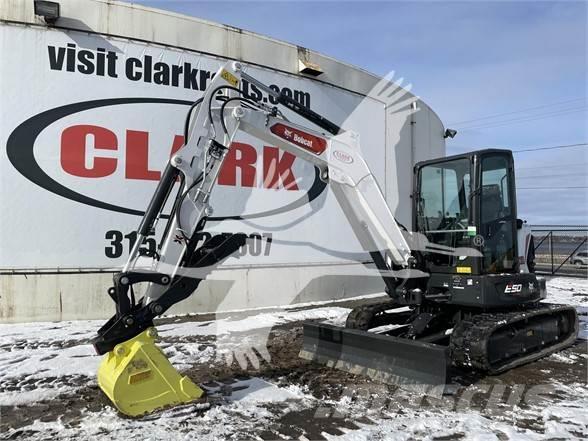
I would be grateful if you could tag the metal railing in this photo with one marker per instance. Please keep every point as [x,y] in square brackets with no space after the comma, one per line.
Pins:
[557,248]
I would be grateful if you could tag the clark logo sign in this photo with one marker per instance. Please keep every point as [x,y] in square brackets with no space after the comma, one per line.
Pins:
[242,168]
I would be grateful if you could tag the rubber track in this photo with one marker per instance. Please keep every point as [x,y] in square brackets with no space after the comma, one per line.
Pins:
[362,317]
[469,339]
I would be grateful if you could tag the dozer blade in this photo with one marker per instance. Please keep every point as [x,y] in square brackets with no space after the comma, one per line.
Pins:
[138,378]
[411,364]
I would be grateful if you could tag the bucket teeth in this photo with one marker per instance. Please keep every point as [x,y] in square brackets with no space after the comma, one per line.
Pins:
[138,378]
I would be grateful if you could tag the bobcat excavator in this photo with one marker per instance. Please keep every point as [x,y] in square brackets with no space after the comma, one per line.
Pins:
[461,287]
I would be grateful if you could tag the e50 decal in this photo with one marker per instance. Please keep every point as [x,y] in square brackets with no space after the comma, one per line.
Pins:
[512,288]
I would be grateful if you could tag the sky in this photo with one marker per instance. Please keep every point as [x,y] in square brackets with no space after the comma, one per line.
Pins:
[504,74]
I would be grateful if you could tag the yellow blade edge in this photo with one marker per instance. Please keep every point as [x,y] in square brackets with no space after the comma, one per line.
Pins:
[138,378]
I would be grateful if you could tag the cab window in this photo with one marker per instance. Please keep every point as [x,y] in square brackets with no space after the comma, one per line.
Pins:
[443,206]
[496,214]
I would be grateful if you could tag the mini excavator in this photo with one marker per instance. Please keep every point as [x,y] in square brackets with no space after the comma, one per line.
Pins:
[461,286]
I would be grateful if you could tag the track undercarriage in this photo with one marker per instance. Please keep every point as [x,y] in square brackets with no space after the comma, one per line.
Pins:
[417,345]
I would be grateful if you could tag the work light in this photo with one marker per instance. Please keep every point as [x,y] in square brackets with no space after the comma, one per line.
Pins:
[48,10]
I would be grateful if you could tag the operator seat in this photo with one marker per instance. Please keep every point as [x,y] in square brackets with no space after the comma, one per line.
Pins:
[496,235]
[491,203]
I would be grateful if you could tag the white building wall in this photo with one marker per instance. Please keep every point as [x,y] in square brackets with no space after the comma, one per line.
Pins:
[52,263]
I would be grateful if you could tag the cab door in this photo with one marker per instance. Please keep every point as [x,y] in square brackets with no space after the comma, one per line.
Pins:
[497,214]
[441,208]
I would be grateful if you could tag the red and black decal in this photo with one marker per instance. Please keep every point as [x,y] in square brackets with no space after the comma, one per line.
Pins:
[305,140]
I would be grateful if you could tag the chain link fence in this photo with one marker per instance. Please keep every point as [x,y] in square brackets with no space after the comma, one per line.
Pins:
[561,250]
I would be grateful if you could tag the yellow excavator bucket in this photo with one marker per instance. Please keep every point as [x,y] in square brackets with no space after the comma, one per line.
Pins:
[138,378]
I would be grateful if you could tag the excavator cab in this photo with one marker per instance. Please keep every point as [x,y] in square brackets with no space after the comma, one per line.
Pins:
[468,201]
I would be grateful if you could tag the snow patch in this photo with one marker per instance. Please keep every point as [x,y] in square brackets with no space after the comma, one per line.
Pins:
[16,398]
[568,291]
[261,391]
[259,321]
[49,362]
